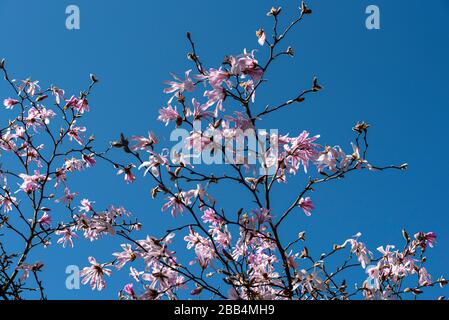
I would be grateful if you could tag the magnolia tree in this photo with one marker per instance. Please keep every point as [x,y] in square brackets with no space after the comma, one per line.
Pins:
[229,254]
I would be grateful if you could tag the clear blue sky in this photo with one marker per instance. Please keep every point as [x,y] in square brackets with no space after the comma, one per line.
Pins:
[395,78]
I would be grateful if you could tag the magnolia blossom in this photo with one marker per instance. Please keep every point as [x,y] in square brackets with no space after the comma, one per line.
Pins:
[74,133]
[29,86]
[31,183]
[128,175]
[67,236]
[45,221]
[307,205]
[180,85]
[95,274]
[7,202]
[10,103]
[168,114]
[86,206]
[142,143]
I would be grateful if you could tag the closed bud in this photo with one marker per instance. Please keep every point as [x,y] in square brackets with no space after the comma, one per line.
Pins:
[274,11]
[154,192]
[304,253]
[406,236]
[315,86]
[305,9]
[2,64]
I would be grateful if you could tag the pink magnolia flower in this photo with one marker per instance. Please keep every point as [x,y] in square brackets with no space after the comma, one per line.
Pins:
[31,183]
[129,177]
[209,216]
[95,274]
[217,77]
[27,268]
[424,277]
[73,164]
[360,249]
[89,160]
[86,206]
[68,197]
[72,102]
[199,110]
[7,202]
[176,206]
[122,258]
[299,151]
[203,248]
[29,86]
[60,177]
[74,133]
[246,64]
[154,162]
[82,106]
[58,93]
[168,114]
[178,202]
[307,205]
[180,85]
[216,95]
[128,289]
[67,236]
[45,221]
[428,238]
[142,143]
[10,103]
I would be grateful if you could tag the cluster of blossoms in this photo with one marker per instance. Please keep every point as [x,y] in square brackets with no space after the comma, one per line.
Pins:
[246,253]
[41,147]
[229,254]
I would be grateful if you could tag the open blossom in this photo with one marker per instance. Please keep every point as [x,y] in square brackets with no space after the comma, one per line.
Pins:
[74,133]
[73,164]
[127,255]
[180,85]
[82,106]
[299,151]
[58,94]
[142,143]
[428,238]
[168,114]
[360,249]
[307,206]
[128,175]
[27,268]
[31,183]
[199,110]
[37,117]
[203,248]
[68,196]
[67,236]
[209,216]
[89,160]
[154,162]
[10,103]
[86,206]
[7,202]
[29,86]
[178,202]
[128,289]
[246,64]
[217,77]
[95,274]
[45,221]
[424,277]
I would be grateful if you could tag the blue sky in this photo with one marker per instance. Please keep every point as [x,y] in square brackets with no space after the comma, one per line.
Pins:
[395,78]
